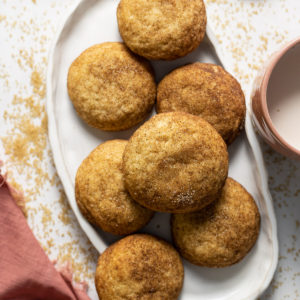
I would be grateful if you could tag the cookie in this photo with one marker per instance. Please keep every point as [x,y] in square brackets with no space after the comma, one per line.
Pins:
[208,91]
[175,162]
[101,195]
[220,234]
[110,87]
[162,29]
[139,266]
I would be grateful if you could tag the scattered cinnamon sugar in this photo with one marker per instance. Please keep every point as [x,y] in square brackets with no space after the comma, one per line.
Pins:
[37,83]
[65,207]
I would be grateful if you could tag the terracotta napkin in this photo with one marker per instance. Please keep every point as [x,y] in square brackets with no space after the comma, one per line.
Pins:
[26,273]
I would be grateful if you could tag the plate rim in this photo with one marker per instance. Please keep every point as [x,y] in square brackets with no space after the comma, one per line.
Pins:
[250,133]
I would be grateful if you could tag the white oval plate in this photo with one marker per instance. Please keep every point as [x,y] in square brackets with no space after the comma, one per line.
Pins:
[92,22]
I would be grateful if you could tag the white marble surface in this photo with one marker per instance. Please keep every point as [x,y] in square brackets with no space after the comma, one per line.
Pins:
[249,31]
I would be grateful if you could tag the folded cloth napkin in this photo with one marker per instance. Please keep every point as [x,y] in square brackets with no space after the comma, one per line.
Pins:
[26,273]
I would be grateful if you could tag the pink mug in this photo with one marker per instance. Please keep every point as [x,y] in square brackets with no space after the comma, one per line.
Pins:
[260,111]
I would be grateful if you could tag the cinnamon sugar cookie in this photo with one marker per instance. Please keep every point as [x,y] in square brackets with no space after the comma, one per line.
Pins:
[175,162]
[220,234]
[139,266]
[110,87]
[162,29]
[101,195]
[208,91]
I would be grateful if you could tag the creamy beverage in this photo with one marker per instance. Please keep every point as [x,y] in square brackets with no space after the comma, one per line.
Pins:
[283,97]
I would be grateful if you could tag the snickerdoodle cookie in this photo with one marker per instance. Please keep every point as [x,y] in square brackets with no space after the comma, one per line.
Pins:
[175,162]
[101,195]
[141,267]
[220,234]
[162,29]
[110,87]
[208,91]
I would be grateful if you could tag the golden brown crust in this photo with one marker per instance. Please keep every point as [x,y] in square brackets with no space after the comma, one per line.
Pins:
[175,162]
[140,267]
[101,195]
[222,233]
[110,87]
[162,29]
[208,91]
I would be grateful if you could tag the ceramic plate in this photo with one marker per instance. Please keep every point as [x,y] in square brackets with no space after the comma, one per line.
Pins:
[92,22]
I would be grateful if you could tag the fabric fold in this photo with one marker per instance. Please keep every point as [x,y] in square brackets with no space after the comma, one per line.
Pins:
[26,273]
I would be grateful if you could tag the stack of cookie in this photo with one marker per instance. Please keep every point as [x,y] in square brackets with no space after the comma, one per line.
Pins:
[176,162]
